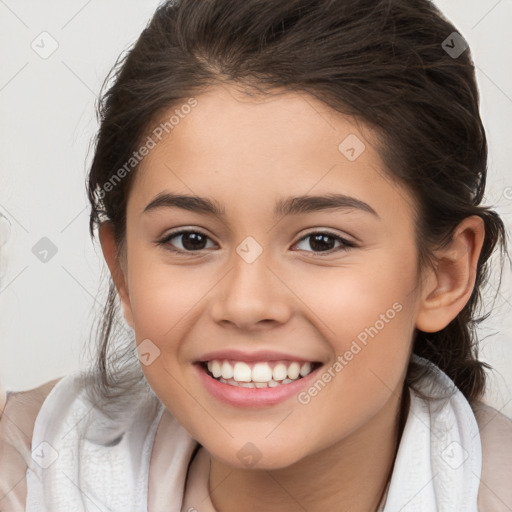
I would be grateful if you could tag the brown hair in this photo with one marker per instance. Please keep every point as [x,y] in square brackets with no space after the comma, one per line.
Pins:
[381,61]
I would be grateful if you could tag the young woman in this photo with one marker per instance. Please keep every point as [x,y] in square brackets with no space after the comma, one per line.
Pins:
[288,198]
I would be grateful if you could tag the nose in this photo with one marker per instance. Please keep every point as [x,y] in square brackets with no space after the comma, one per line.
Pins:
[252,296]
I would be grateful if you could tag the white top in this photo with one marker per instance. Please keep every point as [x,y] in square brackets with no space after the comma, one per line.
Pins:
[85,461]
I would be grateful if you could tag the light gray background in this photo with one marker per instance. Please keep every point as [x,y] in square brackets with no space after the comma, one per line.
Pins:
[47,122]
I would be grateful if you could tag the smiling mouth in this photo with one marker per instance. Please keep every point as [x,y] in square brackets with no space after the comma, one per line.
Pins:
[260,375]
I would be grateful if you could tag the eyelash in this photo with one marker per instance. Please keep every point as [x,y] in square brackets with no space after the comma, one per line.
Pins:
[346,244]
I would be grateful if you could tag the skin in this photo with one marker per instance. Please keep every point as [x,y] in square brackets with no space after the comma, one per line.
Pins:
[247,153]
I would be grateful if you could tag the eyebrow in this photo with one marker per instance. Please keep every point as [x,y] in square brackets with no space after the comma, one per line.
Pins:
[294,205]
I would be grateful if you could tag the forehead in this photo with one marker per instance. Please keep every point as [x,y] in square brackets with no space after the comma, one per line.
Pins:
[254,150]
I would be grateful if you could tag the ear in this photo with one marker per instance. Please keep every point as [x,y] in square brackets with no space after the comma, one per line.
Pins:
[447,289]
[110,253]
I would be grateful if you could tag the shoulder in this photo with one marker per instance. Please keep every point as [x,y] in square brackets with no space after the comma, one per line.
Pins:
[104,439]
[495,492]
[16,428]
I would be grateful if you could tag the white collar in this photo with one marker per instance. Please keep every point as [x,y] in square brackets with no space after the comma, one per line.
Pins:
[439,459]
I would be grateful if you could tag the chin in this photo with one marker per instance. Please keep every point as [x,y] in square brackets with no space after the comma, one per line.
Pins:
[258,456]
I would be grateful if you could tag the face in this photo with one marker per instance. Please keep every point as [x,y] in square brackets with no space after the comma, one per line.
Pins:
[332,285]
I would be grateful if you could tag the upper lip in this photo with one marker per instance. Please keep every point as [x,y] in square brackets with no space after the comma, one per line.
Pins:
[259,355]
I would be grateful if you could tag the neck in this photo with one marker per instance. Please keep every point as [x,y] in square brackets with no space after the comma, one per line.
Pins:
[355,472]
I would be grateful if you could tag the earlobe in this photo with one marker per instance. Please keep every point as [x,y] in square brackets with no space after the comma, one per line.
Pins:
[450,285]
[110,253]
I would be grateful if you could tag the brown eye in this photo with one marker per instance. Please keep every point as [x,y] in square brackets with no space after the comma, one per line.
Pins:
[324,241]
[191,241]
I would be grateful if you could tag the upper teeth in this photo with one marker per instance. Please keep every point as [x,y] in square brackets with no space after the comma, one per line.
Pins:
[259,372]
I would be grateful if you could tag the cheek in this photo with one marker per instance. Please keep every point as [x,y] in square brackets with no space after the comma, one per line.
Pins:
[366,319]
[163,296]
[366,314]
[355,296]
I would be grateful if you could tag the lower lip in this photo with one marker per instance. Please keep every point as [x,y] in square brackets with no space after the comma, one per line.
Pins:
[252,397]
